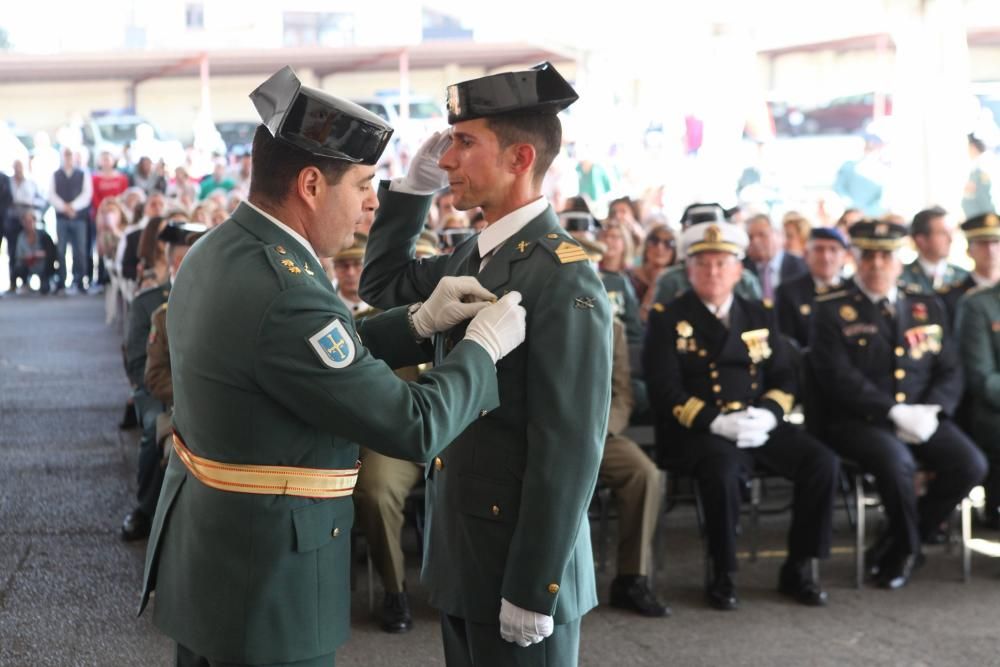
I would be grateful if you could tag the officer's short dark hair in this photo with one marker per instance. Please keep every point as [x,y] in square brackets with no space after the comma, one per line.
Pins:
[921,225]
[275,165]
[543,131]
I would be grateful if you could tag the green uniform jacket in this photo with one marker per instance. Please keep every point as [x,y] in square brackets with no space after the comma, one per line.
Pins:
[264,578]
[507,503]
[674,282]
[140,318]
[978,331]
[916,281]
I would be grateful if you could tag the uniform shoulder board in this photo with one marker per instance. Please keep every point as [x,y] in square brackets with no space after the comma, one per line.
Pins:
[976,290]
[564,248]
[830,296]
[910,288]
[289,268]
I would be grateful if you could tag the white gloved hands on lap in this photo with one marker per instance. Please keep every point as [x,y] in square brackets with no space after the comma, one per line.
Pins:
[915,424]
[454,300]
[521,626]
[424,176]
[747,428]
[499,327]
[728,425]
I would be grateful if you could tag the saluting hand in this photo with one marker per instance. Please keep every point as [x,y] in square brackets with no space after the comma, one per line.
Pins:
[454,300]
[424,176]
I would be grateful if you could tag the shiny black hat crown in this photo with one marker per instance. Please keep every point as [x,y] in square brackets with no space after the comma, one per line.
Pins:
[985,226]
[181,233]
[317,122]
[703,212]
[540,89]
[878,235]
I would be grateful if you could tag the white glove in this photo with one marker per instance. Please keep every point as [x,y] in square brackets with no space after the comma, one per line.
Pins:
[454,300]
[499,327]
[728,425]
[521,626]
[424,176]
[914,424]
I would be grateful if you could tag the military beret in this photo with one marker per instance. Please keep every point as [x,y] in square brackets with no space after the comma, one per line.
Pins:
[828,234]
[354,251]
[878,235]
[181,233]
[540,89]
[985,226]
[714,237]
[317,122]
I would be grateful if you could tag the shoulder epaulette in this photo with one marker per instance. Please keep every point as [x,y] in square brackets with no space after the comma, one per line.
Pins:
[564,248]
[289,268]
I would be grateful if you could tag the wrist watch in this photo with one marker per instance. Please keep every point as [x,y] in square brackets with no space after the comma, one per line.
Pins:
[410,310]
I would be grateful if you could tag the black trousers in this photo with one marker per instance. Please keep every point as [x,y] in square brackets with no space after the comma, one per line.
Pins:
[150,473]
[10,234]
[953,458]
[721,470]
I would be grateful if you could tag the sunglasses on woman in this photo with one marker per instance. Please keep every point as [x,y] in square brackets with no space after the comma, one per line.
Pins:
[661,240]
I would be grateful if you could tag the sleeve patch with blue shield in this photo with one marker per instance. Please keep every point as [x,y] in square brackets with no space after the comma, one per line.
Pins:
[333,345]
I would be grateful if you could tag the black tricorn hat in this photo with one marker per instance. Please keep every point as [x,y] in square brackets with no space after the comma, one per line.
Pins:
[317,122]
[540,89]
[181,233]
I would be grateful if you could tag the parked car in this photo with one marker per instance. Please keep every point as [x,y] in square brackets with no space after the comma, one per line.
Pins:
[237,135]
[426,115]
[12,147]
[110,131]
[845,115]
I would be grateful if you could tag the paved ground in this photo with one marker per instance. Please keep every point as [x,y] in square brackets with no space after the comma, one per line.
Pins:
[69,586]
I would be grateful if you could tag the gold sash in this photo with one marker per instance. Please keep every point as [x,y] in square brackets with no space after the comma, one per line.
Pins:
[269,480]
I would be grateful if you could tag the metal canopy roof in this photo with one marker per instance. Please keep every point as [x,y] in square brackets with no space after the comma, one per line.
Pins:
[138,66]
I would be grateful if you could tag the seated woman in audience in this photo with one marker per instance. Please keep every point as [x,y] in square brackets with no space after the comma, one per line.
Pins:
[112,218]
[658,253]
[797,229]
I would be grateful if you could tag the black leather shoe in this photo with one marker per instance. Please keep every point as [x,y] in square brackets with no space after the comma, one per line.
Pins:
[396,613]
[896,572]
[877,553]
[935,537]
[634,593]
[129,419]
[796,584]
[136,526]
[721,593]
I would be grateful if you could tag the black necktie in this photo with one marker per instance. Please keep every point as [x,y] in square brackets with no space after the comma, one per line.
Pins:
[888,312]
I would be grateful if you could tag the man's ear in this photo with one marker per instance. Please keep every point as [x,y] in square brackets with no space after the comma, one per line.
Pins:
[522,158]
[308,185]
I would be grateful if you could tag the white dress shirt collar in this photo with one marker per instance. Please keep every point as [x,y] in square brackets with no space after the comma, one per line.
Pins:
[933,270]
[891,296]
[494,236]
[288,230]
[722,310]
[982,281]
